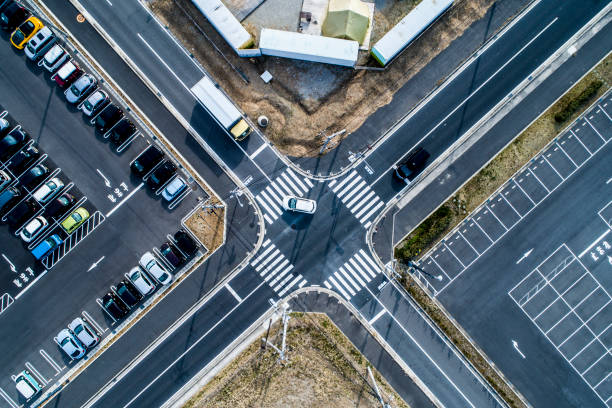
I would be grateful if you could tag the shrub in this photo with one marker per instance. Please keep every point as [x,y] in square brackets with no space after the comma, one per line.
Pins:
[576,103]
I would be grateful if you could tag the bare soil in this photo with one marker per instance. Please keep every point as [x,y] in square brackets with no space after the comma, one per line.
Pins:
[305,98]
[324,370]
[208,225]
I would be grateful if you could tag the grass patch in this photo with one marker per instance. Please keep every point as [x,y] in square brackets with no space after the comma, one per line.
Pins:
[579,102]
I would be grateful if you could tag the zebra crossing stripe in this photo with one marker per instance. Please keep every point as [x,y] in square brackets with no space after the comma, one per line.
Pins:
[283,185]
[346,285]
[277,260]
[359,271]
[354,200]
[327,285]
[267,218]
[297,180]
[357,188]
[364,209]
[339,186]
[349,279]
[302,283]
[367,258]
[368,215]
[308,182]
[265,206]
[296,188]
[362,202]
[266,243]
[273,194]
[277,188]
[339,288]
[268,259]
[278,268]
[365,265]
[279,276]
[260,257]
[283,282]
[271,201]
[348,187]
[290,285]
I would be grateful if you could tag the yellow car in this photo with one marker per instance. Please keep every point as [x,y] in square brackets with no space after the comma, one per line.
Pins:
[72,222]
[25,31]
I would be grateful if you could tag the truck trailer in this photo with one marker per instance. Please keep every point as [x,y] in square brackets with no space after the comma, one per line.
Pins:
[221,108]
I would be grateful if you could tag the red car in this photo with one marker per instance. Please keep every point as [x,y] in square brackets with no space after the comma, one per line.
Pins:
[67,74]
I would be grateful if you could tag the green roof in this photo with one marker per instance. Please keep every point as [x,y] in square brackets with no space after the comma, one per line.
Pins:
[347,19]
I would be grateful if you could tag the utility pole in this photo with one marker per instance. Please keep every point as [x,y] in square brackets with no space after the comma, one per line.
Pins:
[383,404]
[413,265]
[328,139]
[236,193]
[282,357]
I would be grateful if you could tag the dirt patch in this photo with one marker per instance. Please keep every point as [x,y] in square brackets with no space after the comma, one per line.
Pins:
[505,164]
[324,370]
[305,98]
[207,224]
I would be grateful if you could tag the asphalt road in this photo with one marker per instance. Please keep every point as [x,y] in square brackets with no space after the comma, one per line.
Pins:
[538,257]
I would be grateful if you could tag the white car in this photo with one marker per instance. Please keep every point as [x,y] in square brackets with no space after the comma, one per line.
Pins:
[80,88]
[70,344]
[141,281]
[154,268]
[54,58]
[174,188]
[298,204]
[94,103]
[33,229]
[84,332]
[48,190]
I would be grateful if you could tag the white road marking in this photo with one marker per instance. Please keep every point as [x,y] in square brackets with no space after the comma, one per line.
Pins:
[93,322]
[8,399]
[58,368]
[107,183]
[95,264]
[11,265]
[378,316]
[259,150]
[515,345]
[108,1]
[31,284]
[602,236]
[41,377]
[233,292]
[525,255]
[127,197]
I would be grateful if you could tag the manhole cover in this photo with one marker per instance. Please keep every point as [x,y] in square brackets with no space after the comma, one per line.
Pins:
[80,18]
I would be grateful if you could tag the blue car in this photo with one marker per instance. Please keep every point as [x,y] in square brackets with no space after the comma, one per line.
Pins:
[41,250]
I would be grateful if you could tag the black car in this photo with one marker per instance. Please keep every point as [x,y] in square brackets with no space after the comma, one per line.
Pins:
[58,207]
[108,118]
[122,132]
[146,161]
[161,175]
[12,142]
[114,306]
[23,159]
[185,243]
[128,293]
[12,15]
[22,212]
[413,163]
[171,254]
[8,198]
[34,176]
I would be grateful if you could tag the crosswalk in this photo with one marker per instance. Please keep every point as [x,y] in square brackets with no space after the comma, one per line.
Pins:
[354,275]
[358,197]
[276,269]
[271,198]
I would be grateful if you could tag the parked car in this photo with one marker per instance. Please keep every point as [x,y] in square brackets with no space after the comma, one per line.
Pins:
[114,306]
[23,159]
[81,88]
[38,45]
[12,15]
[70,344]
[171,254]
[75,219]
[12,142]
[186,243]
[67,74]
[58,207]
[4,126]
[109,116]
[25,31]
[94,103]
[411,165]
[54,58]
[46,246]
[174,188]
[84,332]
[34,176]
[155,269]
[122,132]
[27,386]
[161,175]
[146,161]
[5,180]
[128,293]
[8,198]
[22,212]
[47,191]
[299,204]
[141,281]
[33,229]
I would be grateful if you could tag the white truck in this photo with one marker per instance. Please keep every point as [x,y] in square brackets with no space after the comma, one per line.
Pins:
[221,108]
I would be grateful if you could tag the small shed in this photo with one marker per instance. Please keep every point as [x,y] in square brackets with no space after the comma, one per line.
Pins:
[346,19]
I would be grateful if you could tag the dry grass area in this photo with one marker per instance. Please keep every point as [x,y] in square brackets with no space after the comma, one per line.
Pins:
[305,98]
[324,370]
[502,167]
[208,225]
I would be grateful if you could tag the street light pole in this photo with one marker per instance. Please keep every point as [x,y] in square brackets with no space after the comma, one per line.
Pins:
[413,265]
[328,139]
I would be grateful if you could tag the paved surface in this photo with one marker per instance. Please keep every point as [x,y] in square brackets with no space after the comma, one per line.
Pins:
[549,229]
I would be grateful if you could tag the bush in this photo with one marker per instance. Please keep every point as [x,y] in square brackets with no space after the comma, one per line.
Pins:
[425,235]
[575,104]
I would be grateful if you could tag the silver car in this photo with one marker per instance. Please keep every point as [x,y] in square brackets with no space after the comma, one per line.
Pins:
[154,268]
[48,190]
[80,88]
[84,332]
[54,58]
[298,204]
[141,281]
[70,344]
[94,103]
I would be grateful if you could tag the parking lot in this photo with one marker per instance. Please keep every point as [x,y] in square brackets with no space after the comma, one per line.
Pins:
[527,274]
[126,219]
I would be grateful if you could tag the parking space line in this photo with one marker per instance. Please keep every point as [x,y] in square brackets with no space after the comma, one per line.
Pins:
[125,199]
[595,362]
[555,170]
[571,312]
[8,399]
[524,192]
[378,316]
[566,155]
[495,215]
[583,145]
[93,322]
[604,111]
[602,380]
[233,292]
[539,181]
[511,206]
[483,231]
[595,129]
[452,253]
[58,369]
[99,302]
[33,369]
[259,150]
[602,236]
[442,269]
